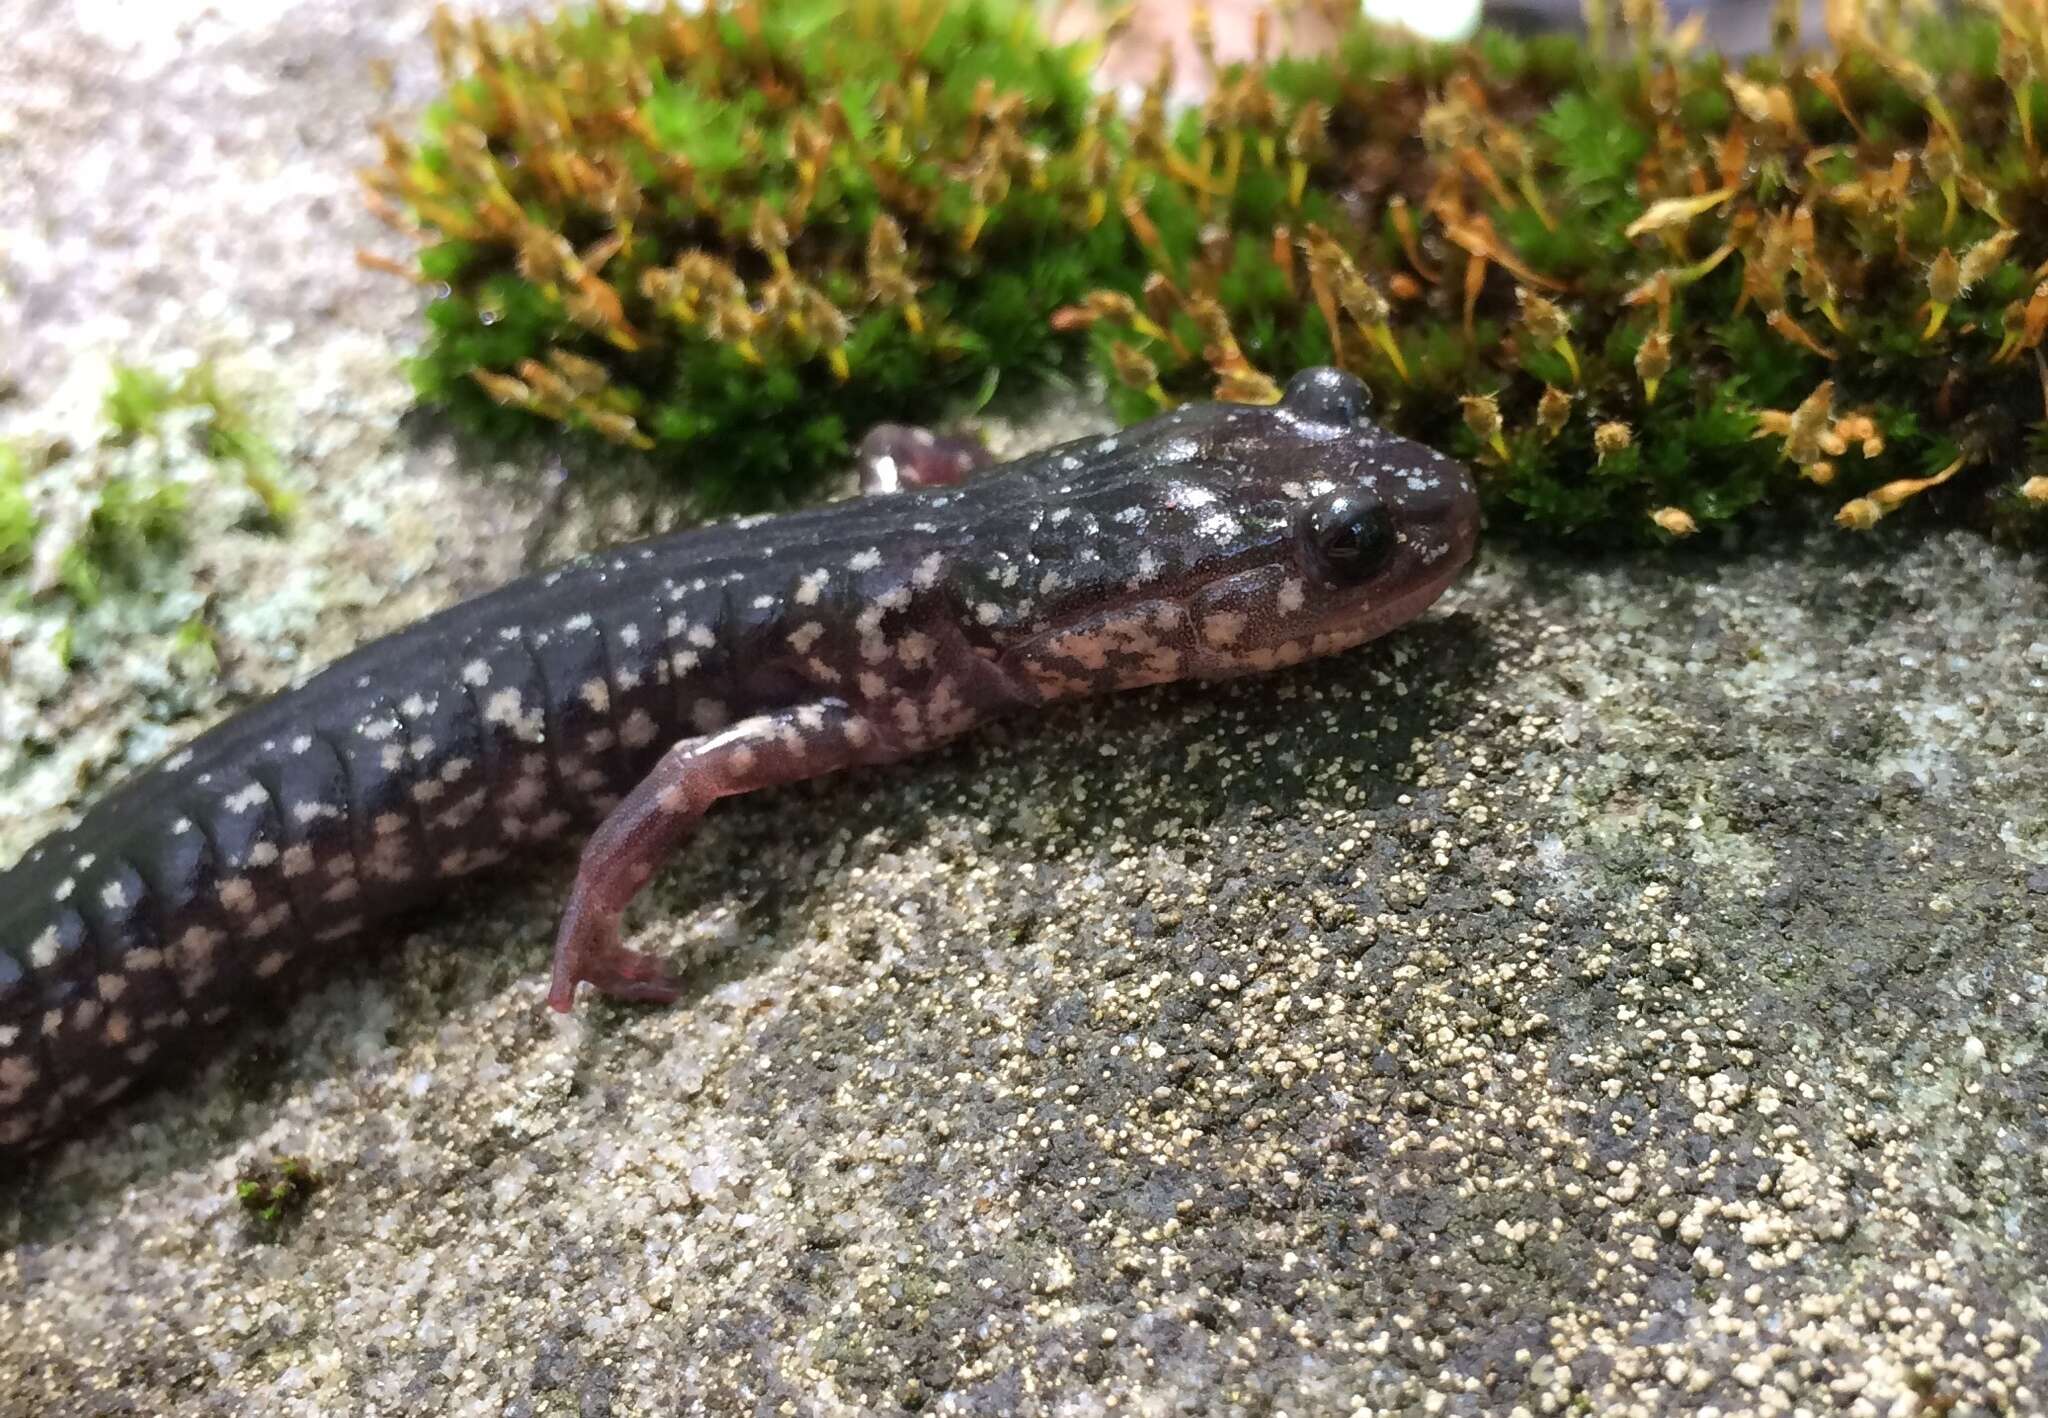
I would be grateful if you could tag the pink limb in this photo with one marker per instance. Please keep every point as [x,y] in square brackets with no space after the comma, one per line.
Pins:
[630,844]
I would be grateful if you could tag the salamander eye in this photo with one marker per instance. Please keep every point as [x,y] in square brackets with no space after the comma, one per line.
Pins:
[1328,396]
[1347,539]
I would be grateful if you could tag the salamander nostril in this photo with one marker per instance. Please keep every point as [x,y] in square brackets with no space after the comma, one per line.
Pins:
[1328,396]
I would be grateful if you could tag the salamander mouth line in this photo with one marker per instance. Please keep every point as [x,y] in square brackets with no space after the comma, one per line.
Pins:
[1405,608]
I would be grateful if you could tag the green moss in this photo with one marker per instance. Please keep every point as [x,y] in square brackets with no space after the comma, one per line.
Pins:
[1461,180]
[137,401]
[734,239]
[276,1193]
[78,524]
[230,436]
[17,518]
[131,516]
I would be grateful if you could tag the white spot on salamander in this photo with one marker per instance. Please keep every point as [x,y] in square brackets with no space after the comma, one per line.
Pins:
[42,952]
[639,730]
[508,707]
[915,649]
[476,674]
[865,561]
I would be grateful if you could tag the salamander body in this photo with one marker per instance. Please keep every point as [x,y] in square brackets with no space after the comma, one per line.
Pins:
[633,688]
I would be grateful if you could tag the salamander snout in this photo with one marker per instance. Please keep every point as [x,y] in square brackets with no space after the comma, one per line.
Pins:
[1435,498]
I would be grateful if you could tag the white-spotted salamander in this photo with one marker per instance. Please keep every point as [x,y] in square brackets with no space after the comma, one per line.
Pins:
[634,688]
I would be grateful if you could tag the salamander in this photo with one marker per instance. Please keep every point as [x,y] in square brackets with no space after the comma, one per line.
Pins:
[632,689]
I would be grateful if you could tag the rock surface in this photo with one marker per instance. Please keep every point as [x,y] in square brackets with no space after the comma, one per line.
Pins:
[1625,989]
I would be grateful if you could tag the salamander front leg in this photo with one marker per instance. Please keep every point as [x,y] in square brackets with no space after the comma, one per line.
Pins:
[628,847]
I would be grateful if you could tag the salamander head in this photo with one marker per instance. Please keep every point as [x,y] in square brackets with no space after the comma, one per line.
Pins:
[1379,525]
[1222,539]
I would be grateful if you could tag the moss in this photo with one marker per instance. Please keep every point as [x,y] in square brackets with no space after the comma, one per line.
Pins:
[139,400]
[17,518]
[733,239]
[80,524]
[1684,247]
[274,1194]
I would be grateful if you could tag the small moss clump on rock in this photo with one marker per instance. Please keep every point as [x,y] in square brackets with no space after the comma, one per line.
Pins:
[273,1194]
[17,517]
[80,520]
